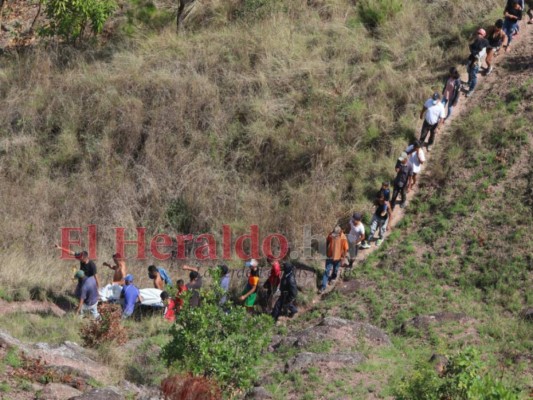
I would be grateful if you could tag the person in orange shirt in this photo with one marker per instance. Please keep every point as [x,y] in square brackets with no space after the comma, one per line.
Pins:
[337,249]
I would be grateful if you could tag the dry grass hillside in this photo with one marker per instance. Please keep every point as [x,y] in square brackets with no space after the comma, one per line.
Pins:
[277,113]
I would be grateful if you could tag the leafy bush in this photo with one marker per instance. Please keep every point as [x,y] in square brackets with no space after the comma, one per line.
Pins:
[374,13]
[219,343]
[464,378]
[179,216]
[70,18]
[107,329]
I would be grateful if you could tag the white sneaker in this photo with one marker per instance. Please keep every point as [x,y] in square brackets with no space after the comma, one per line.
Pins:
[489,70]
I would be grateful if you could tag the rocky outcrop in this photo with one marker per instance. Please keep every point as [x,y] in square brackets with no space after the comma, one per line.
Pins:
[338,330]
[68,356]
[100,394]
[58,391]
[527,314]
[330,361]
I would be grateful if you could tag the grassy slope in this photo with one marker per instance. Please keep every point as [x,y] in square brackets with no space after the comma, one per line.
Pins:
[464,247]
[275,113]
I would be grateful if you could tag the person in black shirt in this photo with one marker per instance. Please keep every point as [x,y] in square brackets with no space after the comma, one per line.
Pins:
[402,182]
[86,265]
[513,14]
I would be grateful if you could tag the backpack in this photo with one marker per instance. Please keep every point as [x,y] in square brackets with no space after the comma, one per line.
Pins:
[164,276]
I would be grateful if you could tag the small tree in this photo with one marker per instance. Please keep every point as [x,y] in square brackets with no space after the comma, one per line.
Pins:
[222,343]
[72,18]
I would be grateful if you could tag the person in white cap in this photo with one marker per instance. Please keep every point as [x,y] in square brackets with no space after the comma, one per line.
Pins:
[402,182]
[433,114]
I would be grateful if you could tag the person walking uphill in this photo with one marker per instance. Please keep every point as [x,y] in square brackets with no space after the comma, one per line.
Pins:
[478,51]
[451,91]
[416,159]
[496,37]
[433,114]
[380,220]
[336,250]
[402,182]
[513,14]
[355,236]
[289,292]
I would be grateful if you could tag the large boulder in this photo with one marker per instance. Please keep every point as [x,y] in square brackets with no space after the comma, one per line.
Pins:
[302,361]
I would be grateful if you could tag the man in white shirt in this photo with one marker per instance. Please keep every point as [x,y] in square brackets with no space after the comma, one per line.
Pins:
[433,114]
[356,235]
[416,158]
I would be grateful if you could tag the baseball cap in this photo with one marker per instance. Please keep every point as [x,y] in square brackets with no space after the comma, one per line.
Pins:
[357,216]
[435,97]
[81,254]
[252,263]
[128,278]
[79,274]
[403,156]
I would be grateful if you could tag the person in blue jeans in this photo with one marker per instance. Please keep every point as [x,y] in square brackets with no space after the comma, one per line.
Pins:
[513,14]
[337,250]
[451,91]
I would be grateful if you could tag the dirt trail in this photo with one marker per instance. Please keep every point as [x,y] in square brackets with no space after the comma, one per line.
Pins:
[519,59]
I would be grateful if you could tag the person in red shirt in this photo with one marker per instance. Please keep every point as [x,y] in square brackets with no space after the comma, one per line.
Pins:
[179,299]
[272,284]
[170,307]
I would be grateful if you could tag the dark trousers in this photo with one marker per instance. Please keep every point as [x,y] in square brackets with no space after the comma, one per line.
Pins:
[398,190]
[427,128]
[282,302]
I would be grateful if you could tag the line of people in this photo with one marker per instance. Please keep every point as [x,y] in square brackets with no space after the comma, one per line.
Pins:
[341,249]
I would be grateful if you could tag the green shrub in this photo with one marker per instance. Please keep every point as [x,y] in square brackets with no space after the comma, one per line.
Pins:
[465,377]
[374,13]
[179,216]
[70,18]
[222,344]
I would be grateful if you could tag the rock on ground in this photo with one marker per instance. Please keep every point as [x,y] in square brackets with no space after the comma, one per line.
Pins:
[423,321]
[69,356]
[57,391]
[100,394]
[341,331]
[258,393]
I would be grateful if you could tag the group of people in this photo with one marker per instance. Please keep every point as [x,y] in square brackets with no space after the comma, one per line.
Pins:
[280,288]
[487,43]
[341,249]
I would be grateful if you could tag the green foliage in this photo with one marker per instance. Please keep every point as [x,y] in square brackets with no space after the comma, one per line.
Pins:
[12,358]
[70,18]
[221,343]
[179,216]
[374,13]
[464,378]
